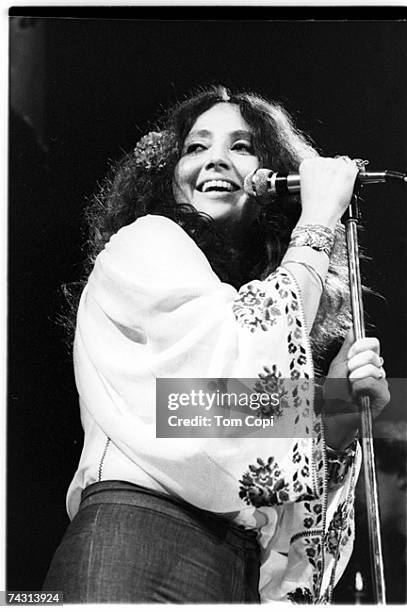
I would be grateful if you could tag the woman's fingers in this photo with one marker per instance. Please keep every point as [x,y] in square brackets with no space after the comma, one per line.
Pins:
[366,374]
[361,364]
[367,357]
[366,371]
[364,344]
[326,188]
[364,360]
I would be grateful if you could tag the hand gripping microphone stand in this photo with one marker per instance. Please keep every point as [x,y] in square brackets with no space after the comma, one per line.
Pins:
[351,220]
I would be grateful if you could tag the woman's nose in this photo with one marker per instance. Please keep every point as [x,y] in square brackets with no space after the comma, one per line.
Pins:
[217,158]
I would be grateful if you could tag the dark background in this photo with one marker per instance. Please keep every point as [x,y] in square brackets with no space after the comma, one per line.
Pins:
[83,90]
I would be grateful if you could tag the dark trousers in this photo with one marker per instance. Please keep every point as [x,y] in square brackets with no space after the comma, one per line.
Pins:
[131,544]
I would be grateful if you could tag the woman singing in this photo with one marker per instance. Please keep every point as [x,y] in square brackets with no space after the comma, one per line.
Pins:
[191,277]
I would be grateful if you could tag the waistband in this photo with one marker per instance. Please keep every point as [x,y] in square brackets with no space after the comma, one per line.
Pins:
[121,492]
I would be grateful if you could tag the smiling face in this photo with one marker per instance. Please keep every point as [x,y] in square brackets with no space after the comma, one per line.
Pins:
[216,157]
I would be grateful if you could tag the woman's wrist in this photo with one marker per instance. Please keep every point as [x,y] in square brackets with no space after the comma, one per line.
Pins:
[320,218]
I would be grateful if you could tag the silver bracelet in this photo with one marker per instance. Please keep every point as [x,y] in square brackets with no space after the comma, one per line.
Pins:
[310,269]
[317,237]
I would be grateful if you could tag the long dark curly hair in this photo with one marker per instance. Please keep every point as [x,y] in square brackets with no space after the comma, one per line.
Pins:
[141,183]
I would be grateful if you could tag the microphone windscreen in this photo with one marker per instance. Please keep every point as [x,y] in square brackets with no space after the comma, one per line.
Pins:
[256,183]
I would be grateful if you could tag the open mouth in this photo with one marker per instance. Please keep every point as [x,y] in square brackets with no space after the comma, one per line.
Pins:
[218,186]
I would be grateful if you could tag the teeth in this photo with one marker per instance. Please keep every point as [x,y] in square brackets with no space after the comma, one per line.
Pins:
[224,185]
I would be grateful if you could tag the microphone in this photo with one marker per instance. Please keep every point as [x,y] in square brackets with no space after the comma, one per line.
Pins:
[267,184]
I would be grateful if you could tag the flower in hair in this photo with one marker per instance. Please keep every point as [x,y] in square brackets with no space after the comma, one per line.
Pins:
[153,149]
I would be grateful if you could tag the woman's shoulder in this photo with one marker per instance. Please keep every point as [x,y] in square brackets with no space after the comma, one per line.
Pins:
[156,243]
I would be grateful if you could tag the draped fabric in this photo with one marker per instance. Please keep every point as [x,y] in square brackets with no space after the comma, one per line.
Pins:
[154,308]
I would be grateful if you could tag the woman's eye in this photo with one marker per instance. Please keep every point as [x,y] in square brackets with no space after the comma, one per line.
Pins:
[243,146]
[194,147]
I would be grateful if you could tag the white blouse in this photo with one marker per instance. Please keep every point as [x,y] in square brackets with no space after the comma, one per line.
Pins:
[153,308]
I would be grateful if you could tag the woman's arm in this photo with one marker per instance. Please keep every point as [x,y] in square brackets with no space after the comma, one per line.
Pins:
[326,190]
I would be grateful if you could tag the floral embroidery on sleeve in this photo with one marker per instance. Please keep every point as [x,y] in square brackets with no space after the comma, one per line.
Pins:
[313,517]
[270,382]
[254,309]
[263,485]
[339,530]
[314,553]
[336,526]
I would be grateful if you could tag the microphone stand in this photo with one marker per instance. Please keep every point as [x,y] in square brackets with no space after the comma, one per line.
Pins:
[351,220]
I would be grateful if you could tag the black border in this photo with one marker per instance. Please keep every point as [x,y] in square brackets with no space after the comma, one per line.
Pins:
[212,12]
